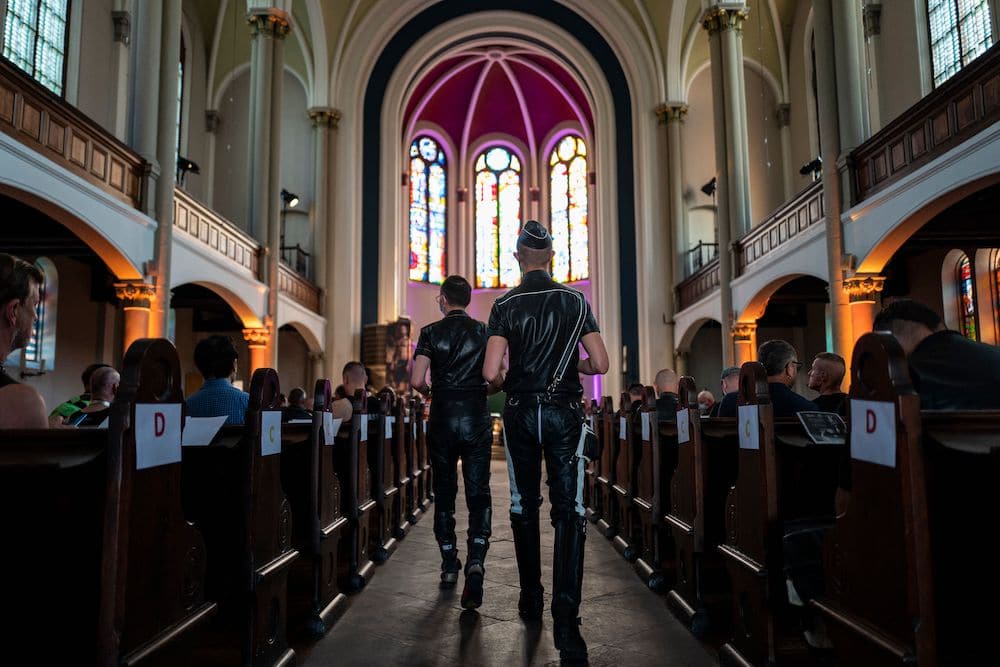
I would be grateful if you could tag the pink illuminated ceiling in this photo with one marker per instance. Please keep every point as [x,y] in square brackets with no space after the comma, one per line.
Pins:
[497,90]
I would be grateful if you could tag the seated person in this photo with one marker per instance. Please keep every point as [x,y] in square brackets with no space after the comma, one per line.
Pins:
[666,395]
[21,406]
[355,378]
[103,387]
[825,375]
[636,392]
[706,401]
[730,385]
[948,371]
[297,408]
[76,403]
[215,358]
[782,366]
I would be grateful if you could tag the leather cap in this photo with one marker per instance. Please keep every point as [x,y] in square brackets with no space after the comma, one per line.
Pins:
[533,235]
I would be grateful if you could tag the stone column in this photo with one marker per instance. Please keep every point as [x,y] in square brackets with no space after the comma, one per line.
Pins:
[316,361]
[324,120]
[681,364]
[259,341]
[830,143]
[336,250]
[122,34]
[146,97]
[863,293]
[784,114]
[268,28]
[212,121]
[872,18]
[134,299]
[745,341]
[852,102]
[671,117]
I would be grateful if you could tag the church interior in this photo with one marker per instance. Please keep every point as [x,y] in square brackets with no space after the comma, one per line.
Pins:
[302,175]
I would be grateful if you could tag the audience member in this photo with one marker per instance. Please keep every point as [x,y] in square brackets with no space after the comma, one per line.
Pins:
[949,371]
[215,358]
[355,378]
[706,401]
[20,282]
[782,367]
[76,403]
[730,385]
[825,376]
[666,395]
[298,407]
[636,392]
[103,388]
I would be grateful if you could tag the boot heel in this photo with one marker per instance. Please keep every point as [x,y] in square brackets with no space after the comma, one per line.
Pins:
[472,595]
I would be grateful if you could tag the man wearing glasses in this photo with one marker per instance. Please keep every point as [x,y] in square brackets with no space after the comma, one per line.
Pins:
[782,365]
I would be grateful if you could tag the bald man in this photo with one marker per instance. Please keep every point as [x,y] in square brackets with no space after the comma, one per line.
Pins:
[666,395]
[825,376]
[103,389]
[355,377]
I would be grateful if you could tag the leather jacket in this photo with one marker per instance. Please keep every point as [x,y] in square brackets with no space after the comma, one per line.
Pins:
[456,347]
[542,321]
[951,372]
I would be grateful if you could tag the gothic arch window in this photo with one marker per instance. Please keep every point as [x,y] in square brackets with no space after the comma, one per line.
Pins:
[428,210]
[568,210]
[966,297]
[34,39]
[498,216]
[960,31]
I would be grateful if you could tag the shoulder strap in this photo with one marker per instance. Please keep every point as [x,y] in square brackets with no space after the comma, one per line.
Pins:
[567,354]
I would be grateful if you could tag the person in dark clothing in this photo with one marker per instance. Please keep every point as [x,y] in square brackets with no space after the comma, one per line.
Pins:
[542,324]
[297,408]
[730,380]
[948,371]
[21,406]
[782,366]
[636,392]
[825,376]
[666,395]
[460,428]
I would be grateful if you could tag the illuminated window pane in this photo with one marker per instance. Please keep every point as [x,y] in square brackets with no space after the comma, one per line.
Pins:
[967,299]
[568,210]
[498,217]
[428,211]
[35,39]
[960,31]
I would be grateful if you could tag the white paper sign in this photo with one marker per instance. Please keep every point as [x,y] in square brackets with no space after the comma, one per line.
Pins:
[425,428]
[873,432]
[683,427]
[199,431]
[621,428]
[749,427]
[645,426]
[270,432]
[157,434]
[330,428]
[413,430]
[364,428]
[389,421]
[406,419]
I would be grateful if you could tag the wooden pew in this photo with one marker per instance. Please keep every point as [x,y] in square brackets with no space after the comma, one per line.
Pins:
[607,521]
[101,566]
[908,565]
[382,539]
[412,425]
[350,459]
[233,492]
[785,479]
[590,470]
[402,476]
[626,521]
[705,472]
[424,457]
[314,492]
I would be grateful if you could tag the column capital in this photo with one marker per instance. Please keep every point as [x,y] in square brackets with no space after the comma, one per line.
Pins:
[327,116]
[669,112]
[257,336]
[212,120]
[269,22]
[863,288]
[725,16]
[743,332]
[872,19]
[784,114]
[316,356]
[135,294]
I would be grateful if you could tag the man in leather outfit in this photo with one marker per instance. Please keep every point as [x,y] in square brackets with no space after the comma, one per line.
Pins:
[541,324]
[460,427]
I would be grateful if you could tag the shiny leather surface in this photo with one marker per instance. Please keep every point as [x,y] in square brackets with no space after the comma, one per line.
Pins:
[460,429]
[538,319]
[456,347]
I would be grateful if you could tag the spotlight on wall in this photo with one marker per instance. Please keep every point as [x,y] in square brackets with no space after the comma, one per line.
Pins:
[709,188]
[815,168]
[184,166]
[289,199]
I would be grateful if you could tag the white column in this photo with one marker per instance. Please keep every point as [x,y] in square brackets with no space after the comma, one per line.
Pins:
[671,117]
[337,303]
[324,120]
[852,103]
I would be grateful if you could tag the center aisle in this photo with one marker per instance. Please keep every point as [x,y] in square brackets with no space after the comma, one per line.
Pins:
[403,618]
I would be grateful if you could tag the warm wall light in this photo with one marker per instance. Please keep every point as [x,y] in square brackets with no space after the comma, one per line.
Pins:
[290,200]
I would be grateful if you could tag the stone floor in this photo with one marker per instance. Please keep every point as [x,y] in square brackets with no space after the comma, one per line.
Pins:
[403,618]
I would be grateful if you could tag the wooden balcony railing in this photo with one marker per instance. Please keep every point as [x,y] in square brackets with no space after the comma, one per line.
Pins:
[962,106]
[298,288]
[704,281]
[794,217]
[34,116]
[217,233]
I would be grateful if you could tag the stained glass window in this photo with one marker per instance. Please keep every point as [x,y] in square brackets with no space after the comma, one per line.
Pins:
[960,31]
[498,217]
[428,210]
[967,298]
[568,207]
[34,39]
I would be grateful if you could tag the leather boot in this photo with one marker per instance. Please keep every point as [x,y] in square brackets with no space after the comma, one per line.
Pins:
[529,566]
[567,580]
[480,529]
[444,531]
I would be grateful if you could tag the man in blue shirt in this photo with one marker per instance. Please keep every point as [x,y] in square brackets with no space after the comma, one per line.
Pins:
[782,365]
[215,358]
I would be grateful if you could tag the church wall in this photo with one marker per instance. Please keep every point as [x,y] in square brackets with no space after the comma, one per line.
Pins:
[231,175]
[297,162]
[923,279]
[899,57]
[96,61]
[293,361]
[767,190]
[704,360]
[802,119]
[698,157]
[194,137]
